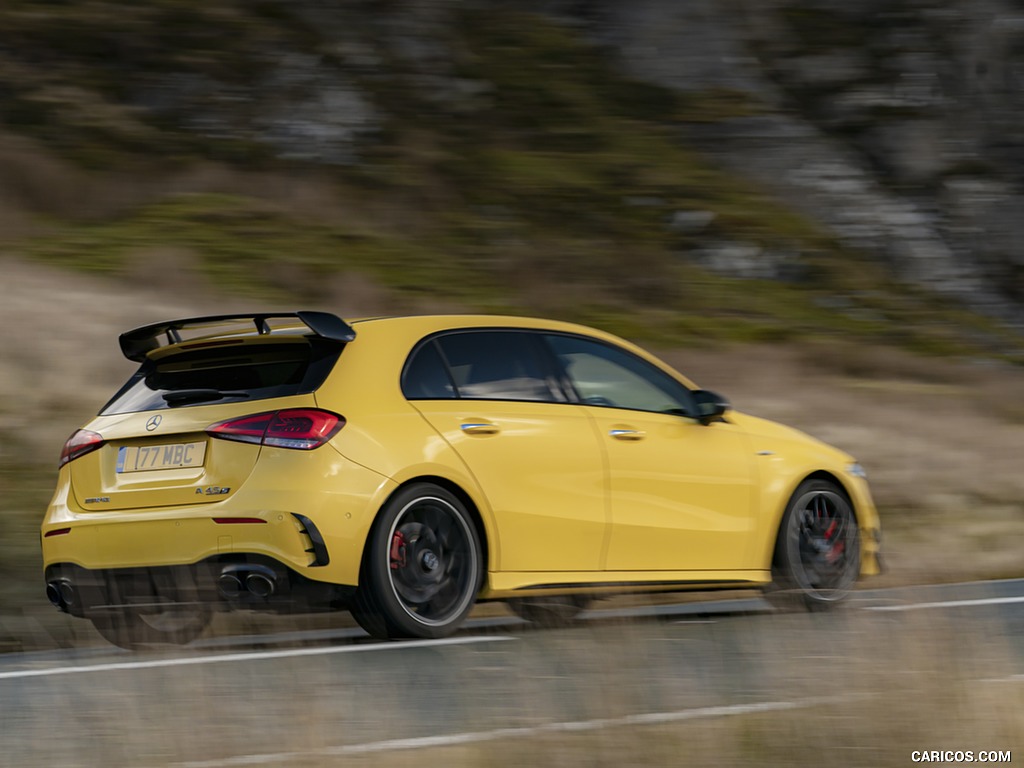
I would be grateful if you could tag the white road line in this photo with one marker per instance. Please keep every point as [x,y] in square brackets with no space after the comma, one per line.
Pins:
[473,737]
[947,604]
[456,739]
[1010,679]
[226,657]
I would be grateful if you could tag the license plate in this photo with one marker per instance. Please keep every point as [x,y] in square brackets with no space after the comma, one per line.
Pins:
[143,458]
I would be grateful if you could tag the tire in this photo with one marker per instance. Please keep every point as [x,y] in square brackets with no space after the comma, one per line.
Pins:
[551,612]
[817,552]
[422,568]
[132,629]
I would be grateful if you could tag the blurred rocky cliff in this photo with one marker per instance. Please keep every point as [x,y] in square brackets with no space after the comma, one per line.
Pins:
[899,124]
[895,126]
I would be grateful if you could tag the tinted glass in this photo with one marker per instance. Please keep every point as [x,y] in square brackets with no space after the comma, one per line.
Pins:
[425,376]
[226,374]
[608,376]
[496,365]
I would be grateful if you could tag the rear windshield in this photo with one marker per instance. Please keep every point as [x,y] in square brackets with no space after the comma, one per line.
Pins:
[226,375]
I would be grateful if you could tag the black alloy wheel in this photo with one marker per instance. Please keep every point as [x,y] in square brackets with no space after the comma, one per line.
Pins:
[817,554]
[423,567]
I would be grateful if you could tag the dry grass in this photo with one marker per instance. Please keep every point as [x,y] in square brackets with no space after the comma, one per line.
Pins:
[882,690]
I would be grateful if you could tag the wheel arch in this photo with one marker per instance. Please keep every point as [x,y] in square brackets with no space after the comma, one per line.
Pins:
[780,510]
[456,490]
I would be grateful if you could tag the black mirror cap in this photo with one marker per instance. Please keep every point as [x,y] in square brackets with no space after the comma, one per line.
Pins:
[711,406]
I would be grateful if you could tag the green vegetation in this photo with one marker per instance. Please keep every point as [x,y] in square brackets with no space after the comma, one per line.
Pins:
[551,170]
[636,286]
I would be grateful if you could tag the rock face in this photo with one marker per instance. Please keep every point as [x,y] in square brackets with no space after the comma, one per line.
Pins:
[897,125]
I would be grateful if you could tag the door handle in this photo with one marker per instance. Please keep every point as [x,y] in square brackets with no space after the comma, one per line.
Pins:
[479,428]
[628,434]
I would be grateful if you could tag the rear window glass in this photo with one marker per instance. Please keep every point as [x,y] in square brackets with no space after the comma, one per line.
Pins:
[226,374]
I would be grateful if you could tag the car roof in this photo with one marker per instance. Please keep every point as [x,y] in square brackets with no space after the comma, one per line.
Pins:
[426,324]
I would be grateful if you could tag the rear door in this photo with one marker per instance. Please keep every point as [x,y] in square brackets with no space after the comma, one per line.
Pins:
[491,395]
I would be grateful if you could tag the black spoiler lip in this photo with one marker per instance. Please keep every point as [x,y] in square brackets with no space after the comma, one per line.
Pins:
[137,343]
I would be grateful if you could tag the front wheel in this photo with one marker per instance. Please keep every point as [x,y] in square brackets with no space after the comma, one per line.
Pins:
[422,568]
[133,629]
[817,553]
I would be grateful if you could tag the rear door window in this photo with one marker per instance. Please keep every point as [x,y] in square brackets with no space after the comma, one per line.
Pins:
[226,374]
[481,365]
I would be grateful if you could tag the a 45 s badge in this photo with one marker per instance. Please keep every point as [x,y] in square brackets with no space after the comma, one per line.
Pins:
[213,490]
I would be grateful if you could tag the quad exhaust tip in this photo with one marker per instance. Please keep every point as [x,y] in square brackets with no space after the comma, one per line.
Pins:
[241,578]
[62,594]
[260,585]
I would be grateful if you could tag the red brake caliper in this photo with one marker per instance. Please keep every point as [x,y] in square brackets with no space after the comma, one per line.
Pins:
[838,547]
[397,551]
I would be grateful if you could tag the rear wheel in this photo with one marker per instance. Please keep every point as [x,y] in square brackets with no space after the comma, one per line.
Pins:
[817,554]
[131,628]
[422,569]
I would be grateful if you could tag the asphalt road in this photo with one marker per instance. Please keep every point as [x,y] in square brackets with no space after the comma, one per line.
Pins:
[275,699]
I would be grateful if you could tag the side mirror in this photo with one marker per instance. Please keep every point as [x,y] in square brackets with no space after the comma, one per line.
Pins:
[710,405]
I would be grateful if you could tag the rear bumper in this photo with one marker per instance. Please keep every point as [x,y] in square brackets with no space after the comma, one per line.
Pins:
[293,513]
[228,583]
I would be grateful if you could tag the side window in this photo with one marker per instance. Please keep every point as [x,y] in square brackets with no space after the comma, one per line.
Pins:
[496,365]
[608,376]
[426,377]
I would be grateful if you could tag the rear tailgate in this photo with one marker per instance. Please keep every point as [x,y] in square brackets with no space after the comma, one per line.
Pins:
[156,449]
[165,458]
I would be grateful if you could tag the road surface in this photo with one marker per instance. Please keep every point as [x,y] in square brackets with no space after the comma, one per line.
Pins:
[275,699]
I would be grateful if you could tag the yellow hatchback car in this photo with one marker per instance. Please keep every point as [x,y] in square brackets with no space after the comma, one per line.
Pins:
[405,468]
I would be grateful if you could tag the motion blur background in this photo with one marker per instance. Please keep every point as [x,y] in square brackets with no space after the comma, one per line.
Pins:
[813,206]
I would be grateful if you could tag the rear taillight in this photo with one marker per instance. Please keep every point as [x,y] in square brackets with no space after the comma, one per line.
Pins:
[80,443]
[299,428]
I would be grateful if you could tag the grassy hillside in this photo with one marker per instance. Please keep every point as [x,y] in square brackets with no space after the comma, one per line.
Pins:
[534,177]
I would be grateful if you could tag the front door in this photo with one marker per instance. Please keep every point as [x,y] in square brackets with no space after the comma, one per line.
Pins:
[681,492]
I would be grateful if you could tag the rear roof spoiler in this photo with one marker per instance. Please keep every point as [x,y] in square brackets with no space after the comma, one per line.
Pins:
[137,343]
